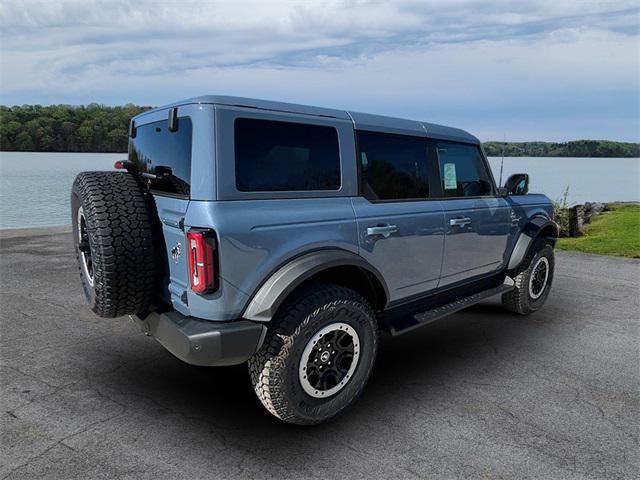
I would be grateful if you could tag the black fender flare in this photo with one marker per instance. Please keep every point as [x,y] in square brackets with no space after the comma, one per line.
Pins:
[265,302]
[527,236]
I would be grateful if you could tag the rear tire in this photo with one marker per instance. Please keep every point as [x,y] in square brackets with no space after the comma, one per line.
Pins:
[113,237]
[299,341]
[533,282]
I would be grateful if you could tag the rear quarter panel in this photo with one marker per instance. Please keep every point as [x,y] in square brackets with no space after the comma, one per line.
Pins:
[255,237]
[260,231]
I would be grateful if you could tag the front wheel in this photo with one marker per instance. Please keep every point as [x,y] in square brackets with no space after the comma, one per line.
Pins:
[317,356]
[532,283]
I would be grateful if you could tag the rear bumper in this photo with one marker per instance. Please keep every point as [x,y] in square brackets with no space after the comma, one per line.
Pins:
[203,342]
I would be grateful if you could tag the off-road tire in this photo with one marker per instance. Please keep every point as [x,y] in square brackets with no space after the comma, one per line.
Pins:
[274,368]
[119,220]
[519,300]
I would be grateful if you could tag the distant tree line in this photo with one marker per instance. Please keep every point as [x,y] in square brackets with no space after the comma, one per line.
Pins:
[578,148]
[66,128]
[99,128]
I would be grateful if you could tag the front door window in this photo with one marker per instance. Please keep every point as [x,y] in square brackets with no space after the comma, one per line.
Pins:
[463,171]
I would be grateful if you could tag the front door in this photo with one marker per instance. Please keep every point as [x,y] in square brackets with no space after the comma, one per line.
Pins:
[477,221]
[401,231]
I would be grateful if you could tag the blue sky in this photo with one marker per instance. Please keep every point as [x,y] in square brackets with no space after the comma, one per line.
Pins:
[533,70]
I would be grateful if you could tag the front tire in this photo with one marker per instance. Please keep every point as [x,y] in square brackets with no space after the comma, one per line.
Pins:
[533,281]
[317,356]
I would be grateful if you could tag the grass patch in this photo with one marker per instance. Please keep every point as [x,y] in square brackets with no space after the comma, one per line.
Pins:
[616,232]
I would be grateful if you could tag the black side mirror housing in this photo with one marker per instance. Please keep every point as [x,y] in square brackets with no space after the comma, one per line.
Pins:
[516,184]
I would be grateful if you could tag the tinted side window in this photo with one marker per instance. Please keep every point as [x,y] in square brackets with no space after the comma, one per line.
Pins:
[285,156]
[155,146]
[394,167]
[463,171]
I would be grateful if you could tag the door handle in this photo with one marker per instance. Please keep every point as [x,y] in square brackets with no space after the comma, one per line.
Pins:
[460,221]
[384,230]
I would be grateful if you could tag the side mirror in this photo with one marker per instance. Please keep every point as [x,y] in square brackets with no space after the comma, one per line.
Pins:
[516,184]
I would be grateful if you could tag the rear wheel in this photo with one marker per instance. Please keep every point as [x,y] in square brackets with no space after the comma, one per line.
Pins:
[317,356]
[113,236]
[533,281]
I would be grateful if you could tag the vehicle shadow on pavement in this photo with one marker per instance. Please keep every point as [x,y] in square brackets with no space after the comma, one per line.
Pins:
[222,398]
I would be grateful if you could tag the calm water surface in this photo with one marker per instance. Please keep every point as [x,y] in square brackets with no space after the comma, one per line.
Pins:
[35,187]
[588,179]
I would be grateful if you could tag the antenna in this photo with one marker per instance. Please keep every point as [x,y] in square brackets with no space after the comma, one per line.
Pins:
[504,142]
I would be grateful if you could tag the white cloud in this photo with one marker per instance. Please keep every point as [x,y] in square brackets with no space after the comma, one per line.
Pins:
[475,64]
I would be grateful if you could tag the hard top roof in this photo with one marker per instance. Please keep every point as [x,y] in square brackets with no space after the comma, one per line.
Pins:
[362,121]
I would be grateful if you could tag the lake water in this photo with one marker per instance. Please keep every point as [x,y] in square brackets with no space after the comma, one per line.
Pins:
[35,187]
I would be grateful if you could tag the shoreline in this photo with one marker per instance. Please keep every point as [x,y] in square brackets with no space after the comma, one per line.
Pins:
[6,233]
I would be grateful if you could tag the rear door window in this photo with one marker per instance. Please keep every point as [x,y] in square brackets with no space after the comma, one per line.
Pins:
[463,170]
[156,150]
[394,167]
[285,156]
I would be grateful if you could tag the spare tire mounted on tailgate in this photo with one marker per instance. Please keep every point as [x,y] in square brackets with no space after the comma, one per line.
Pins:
[113,235]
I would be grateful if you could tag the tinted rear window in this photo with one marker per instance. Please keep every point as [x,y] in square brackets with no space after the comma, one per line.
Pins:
[285,156]
[394,167]
[155,146]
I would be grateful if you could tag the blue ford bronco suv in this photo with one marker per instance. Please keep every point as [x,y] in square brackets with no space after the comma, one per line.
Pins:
[289,236]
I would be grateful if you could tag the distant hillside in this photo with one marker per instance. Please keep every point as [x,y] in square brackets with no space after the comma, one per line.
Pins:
[99,128]
[578,148]
[66,128]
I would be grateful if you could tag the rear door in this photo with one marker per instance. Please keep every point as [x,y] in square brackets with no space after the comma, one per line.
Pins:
[401,231]
[157,150]
[285,182]
[477,220]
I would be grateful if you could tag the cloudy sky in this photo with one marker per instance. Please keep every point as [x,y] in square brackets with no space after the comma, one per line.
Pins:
[530,69]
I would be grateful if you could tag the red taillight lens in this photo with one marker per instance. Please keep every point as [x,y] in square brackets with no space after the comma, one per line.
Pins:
[201,250]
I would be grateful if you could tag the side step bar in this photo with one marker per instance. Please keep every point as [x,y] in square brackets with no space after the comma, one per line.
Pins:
[428,316]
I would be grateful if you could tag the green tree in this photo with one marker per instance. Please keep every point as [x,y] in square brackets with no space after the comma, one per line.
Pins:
[578,148]
[100,128]
[25,142]
[66,128]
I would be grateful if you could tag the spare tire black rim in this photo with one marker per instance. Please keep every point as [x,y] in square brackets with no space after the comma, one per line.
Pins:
[84,247]
[329,360]
[539,277]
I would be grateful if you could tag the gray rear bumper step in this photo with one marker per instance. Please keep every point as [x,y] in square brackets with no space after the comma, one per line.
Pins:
[203,342]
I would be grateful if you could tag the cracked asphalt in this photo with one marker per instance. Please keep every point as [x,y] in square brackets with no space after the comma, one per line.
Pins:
[481,394]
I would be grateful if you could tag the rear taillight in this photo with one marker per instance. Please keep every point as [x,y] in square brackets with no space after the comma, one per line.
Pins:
[201,250]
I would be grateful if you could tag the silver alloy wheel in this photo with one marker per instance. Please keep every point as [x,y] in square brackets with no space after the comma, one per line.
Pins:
[329,360]
[538,278]
[83,246]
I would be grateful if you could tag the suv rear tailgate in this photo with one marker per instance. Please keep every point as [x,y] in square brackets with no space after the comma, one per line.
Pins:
[176,282]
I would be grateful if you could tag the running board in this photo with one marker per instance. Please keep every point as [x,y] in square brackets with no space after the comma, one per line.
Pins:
[437,313]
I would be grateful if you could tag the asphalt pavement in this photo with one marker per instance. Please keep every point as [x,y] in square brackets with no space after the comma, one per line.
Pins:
[481,394]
